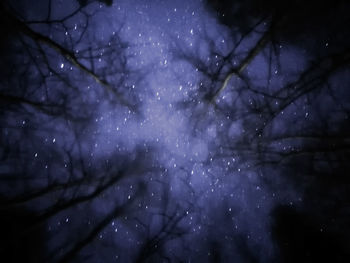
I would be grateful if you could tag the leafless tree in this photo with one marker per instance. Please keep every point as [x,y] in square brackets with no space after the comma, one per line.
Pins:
[54,74]
[273,84]
[273,116]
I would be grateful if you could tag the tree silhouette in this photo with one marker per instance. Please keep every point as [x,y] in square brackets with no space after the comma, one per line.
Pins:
[267,106]
[281,120]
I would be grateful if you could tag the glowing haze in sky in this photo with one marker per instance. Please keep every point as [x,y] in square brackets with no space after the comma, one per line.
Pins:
[200,180]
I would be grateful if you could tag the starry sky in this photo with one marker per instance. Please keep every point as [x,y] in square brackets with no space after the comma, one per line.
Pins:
[174,131]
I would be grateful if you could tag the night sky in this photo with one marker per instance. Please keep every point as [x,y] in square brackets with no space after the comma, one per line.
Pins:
[174,131]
